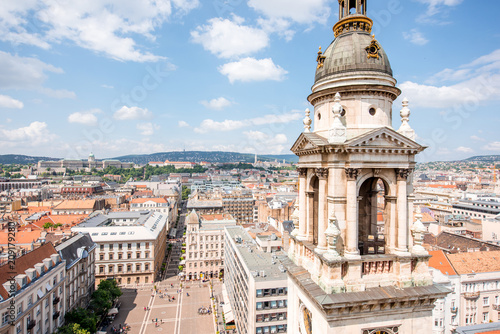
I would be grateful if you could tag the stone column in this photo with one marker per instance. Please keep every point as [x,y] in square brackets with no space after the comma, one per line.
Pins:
[322,174]
[310,216]
[402,205]
[392,233]
[352,213]
[302,204]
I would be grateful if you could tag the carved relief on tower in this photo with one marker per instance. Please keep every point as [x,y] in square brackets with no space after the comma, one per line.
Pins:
[402,174]
[302,171]
[321,173]
[352,173]
[305,319]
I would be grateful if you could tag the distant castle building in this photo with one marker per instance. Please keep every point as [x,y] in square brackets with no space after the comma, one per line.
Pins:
[350,272]
[90,163]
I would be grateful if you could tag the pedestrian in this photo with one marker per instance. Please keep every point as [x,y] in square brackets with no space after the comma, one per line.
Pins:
[144,308]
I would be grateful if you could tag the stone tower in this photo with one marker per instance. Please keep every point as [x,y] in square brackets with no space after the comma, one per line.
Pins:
[356,264]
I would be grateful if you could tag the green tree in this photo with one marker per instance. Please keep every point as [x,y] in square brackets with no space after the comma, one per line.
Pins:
[48,225]
[185,193]
[72,328]
[112,287]
[101,301]
[81,316]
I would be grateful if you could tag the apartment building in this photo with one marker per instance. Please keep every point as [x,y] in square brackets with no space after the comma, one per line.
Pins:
[204,257]
[478,209]
[256,284]
[79,254]
[475,285]
[130,245]
[240,205]
[32,292]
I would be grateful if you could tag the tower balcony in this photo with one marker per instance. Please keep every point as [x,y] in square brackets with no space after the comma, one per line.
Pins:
[354,274]
[471,295]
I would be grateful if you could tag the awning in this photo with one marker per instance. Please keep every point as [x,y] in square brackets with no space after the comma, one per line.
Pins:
[48,287]
[113,311]
[228,313]
[39,293]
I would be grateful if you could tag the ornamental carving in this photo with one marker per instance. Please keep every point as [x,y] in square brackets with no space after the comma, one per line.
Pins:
[352,173]
[322,173]
[302,171]
[402,174]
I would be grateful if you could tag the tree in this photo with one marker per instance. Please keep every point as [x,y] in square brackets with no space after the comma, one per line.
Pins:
[112,287]
[82,317]
[48,225]
[72,328]
[185,193]
[101,301]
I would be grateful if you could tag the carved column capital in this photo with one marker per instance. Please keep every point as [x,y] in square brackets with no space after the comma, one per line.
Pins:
[377,172]
[402,174]
[302,171]
[321,173]
[352,173]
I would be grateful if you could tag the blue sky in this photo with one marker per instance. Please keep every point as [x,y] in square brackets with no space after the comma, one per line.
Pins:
[118,77]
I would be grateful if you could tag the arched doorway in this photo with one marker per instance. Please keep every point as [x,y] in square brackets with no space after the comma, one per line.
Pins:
[313,199]
[372,216]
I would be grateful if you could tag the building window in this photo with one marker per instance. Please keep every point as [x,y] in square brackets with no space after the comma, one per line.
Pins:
[137,267]
[486,317]
[119,246]
[129,255]
[110,247]
[146,279]
[138,255]
[5,317]
[486,301]
[129,267]
[110,269]
[138,245]
[111,256]
[20,308]
[101,256]
[147,245]
[146,266]
[120,256]
[102,247]
[101,270]
[129,246]
[120,268]
[146,255]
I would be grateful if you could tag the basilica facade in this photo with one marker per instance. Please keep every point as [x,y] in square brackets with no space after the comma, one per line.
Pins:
[356,262]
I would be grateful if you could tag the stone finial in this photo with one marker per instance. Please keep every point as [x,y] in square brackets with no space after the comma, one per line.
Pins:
[337,133]
[405,128]
[332,234]
[418,230]
[295,218]
[307,121]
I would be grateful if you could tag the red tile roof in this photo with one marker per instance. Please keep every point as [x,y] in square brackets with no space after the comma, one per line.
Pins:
[440,261]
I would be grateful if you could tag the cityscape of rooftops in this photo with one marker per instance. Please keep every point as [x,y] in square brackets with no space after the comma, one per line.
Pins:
[249,167]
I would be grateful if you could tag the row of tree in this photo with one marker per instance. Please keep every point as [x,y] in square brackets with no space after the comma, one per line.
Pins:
[85,321]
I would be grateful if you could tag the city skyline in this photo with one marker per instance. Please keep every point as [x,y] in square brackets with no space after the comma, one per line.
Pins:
[138,78]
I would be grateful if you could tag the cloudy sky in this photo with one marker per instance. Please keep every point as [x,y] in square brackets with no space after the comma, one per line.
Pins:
[118,77]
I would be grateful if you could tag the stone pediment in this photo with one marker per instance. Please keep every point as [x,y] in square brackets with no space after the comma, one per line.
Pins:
[308,142]
[384,138]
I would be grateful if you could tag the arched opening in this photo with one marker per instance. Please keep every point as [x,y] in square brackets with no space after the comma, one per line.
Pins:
[342,9]
[313,197]
[363,7]
[372,217]
[352,7]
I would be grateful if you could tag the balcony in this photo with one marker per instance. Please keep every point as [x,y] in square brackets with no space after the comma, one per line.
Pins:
[56,300]
[496,307]
[56,315]
[31,324]
[454,309]
[471,295]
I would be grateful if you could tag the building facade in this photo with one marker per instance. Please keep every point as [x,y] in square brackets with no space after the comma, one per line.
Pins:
[79,254]
[204,257]
[256,285]
[348,271]
[33,301]
[130,245]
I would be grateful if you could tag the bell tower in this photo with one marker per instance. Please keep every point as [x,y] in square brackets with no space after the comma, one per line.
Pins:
[356,263]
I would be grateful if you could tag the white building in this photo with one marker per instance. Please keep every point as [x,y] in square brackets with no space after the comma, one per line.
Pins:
[256,284]
[204,257]
[130,245]
[34,300]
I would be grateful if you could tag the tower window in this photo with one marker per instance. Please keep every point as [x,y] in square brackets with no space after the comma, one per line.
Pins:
[372,111]
[319,116]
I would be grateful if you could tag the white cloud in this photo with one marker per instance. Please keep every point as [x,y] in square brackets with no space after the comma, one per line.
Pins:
[183,124]
[299,11]
[217,104]
[147,129]
[85,117]
[251,69]
[34,134]
[477,138]
[277,25]
[415,37]
[493,146]
[28,73]
[132,113]
[9,102]
[267,142]
[108,27]
[435,7]
[464,149]
[230,38]
[209,125]
[469,84]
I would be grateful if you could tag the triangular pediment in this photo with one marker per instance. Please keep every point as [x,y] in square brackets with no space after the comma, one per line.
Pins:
[308,141]
[385,138]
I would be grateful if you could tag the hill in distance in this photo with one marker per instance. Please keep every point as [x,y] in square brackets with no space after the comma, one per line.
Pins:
[8,159]
[198,156]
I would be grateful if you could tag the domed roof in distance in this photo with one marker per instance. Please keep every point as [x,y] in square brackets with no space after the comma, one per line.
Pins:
[353,52]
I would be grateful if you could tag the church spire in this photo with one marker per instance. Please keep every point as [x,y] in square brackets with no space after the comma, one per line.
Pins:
[352,17]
